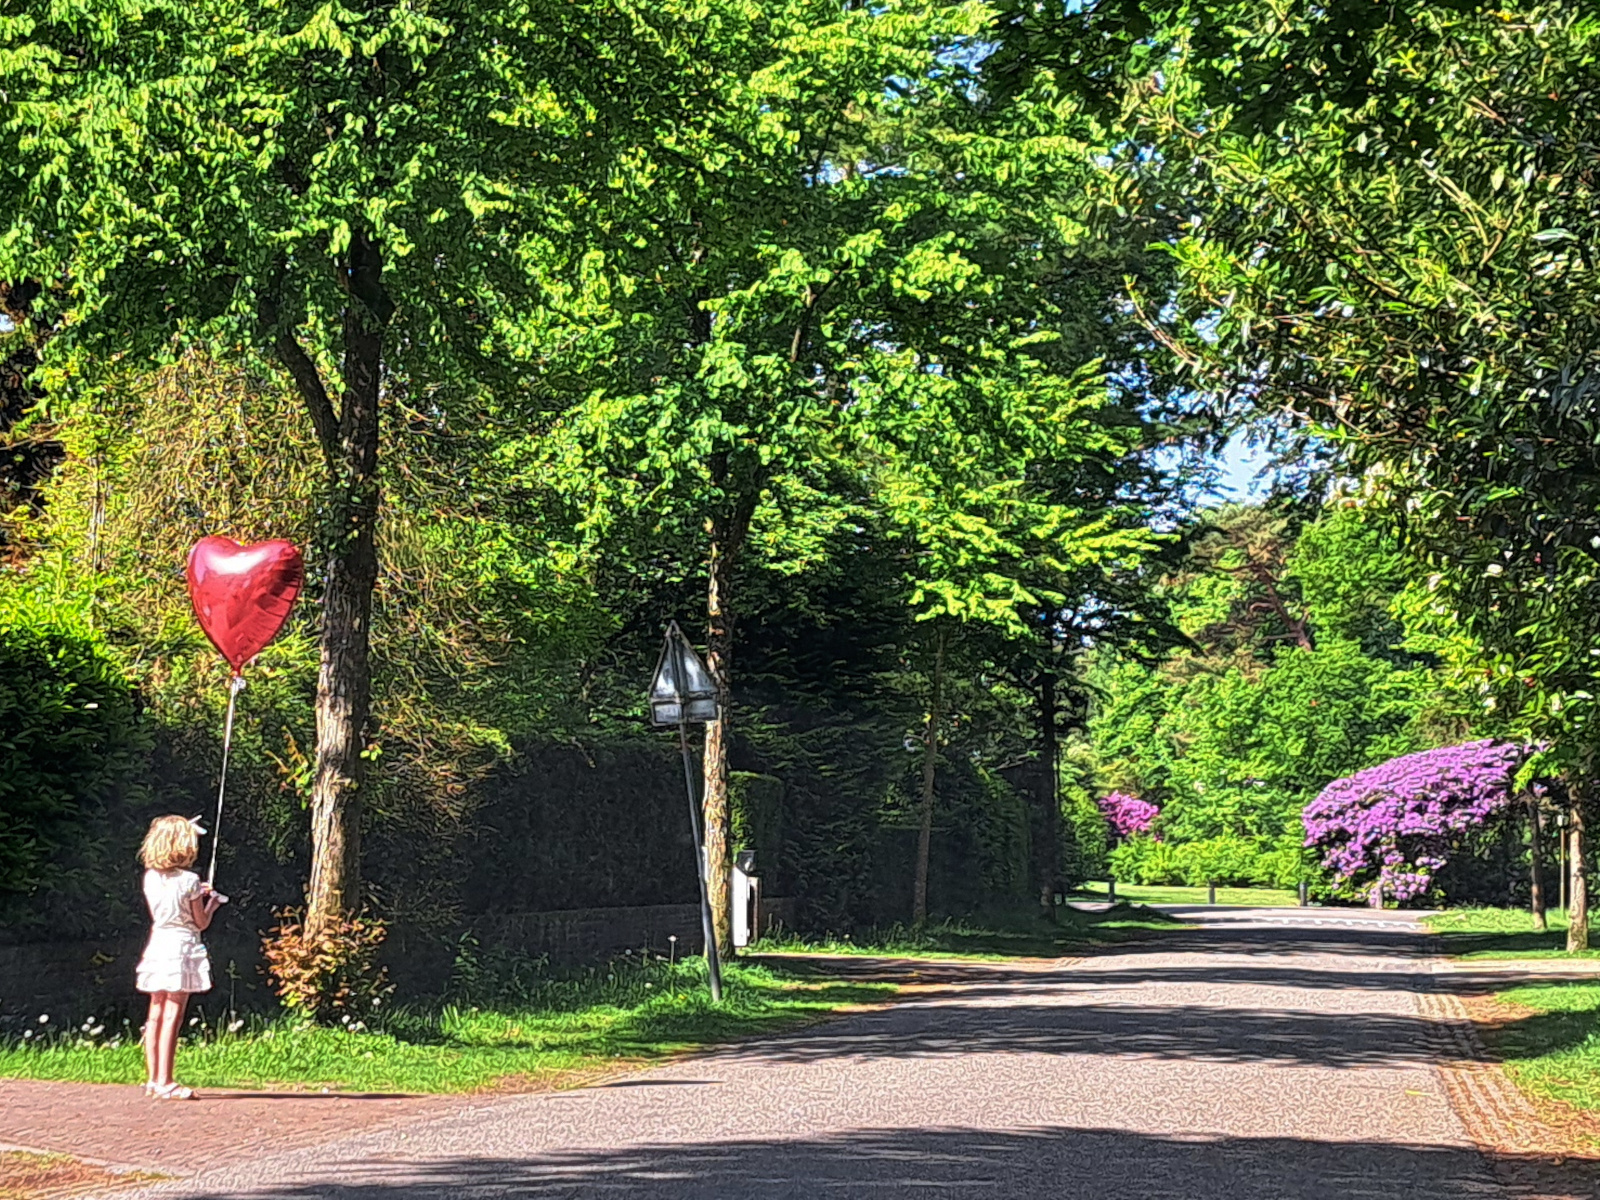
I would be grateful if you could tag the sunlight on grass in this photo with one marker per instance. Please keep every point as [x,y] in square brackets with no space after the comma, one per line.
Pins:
[1139,893]
[1506,933]
[1554,1053]
[652,1011]
[993,938]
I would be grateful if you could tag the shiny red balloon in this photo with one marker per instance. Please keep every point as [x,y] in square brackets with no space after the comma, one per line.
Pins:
[242,594]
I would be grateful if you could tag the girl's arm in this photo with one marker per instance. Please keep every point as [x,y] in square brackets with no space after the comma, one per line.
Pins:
[202,907]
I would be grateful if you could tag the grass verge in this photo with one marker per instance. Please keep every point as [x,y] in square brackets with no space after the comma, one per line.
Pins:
[1139,893]
[1550,1041]
[992,937]
[1506,933]
[530,1034]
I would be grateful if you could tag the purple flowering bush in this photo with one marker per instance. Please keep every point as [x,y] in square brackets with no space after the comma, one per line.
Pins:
[1128,815]
[1394,825]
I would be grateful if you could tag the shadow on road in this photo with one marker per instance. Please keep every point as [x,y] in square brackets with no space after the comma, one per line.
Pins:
[1058,1163]
[1051,1008]
[1121,1029]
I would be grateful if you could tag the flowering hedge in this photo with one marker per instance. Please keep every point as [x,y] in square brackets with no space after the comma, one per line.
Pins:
[1127,814]
[1392,826]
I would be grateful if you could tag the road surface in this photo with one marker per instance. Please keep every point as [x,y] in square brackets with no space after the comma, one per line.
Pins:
[1261,1055]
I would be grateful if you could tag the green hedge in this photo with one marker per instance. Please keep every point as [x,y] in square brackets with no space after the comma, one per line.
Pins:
[1237,862]
[73,752]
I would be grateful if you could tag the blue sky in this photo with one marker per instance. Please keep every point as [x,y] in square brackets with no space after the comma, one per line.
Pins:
[1241,470]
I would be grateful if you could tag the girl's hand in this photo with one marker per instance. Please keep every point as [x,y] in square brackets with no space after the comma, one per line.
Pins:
[213,898]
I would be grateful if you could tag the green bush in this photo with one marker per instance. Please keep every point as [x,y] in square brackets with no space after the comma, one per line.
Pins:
[72,747]
[756,811]
[1232,862]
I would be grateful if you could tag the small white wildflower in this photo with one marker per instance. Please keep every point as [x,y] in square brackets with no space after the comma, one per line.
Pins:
[26,1034]
[44,1018]
[194,1020]
[97,1031]
[235,1026]
[1494,569]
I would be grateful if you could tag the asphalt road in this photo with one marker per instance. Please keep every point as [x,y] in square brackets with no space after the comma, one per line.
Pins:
[1260,1056]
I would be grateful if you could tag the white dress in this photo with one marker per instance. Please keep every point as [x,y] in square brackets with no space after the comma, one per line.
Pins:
[174,958]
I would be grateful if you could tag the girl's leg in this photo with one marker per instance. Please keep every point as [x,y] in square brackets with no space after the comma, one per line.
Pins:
[173,1005]
[152,1033]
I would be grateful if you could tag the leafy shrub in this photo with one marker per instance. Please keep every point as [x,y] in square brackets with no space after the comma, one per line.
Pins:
[755,804]
[1128,815]
[1238,862]
[333,973]
[71,745]
[1392,827]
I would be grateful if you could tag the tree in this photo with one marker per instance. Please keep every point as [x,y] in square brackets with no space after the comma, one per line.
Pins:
[30,453]
[1234,732]
[1392,208]
[1006,494]
[373,200]
[880,271]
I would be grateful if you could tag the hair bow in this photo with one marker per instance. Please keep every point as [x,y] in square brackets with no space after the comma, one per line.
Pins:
[194,824]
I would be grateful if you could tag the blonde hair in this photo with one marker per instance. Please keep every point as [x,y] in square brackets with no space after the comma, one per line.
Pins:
[170,842]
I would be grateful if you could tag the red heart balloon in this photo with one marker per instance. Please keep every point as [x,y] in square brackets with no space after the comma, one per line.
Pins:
[242,594]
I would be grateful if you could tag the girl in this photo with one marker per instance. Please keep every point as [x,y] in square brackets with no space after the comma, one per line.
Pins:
[174,962]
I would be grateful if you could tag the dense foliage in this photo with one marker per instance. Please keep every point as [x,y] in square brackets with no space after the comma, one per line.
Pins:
[860,340]
[1390,828]
[1298,669]
[75,748]
[1391,209]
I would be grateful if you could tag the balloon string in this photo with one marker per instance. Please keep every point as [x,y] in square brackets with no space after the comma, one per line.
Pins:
[222,784]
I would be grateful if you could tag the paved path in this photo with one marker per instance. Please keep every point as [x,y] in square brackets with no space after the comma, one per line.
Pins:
[1260,1057]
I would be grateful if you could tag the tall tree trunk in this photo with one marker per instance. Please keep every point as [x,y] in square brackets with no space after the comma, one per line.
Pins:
[1047,803]
[727,540]
[1535,865]
[1578,889]
[930,756]
[349,439]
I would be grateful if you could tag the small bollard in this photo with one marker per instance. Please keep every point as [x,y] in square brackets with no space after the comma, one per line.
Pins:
[1302,893]
[1211,893]
[1111,890]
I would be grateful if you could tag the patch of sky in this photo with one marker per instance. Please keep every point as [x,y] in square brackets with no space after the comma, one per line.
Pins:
[1242,470]
[6,325]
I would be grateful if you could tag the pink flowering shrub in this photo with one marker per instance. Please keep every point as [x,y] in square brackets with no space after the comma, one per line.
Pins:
[1394,825]
[1127,814]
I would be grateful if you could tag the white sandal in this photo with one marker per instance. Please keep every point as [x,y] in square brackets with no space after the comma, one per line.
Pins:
[172,1091]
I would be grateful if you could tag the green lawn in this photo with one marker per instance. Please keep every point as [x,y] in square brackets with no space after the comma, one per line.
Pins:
[1506,933]
[574,1027]
[992,937]
[1555,1052]
[1142,894]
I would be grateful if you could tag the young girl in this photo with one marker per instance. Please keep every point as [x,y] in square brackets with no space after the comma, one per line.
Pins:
[174,962]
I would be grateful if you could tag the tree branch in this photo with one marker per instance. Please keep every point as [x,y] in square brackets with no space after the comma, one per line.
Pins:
[307,380]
